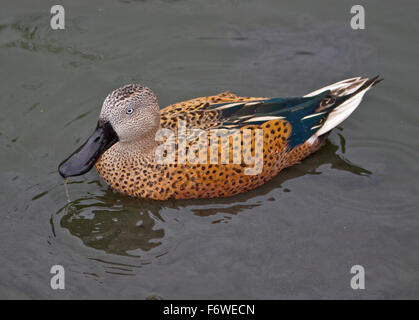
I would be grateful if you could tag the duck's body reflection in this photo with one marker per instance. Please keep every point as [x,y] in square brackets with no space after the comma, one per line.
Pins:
[126,226]
[113,223]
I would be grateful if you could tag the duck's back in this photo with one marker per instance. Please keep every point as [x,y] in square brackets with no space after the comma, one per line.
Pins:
[230,112]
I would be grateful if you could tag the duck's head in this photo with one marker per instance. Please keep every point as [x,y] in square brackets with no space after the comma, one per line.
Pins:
[128,115]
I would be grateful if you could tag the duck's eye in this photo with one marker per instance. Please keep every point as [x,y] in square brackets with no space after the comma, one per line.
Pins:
[130,110]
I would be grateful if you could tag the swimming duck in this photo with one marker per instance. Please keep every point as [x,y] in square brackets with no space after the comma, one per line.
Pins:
[126,146]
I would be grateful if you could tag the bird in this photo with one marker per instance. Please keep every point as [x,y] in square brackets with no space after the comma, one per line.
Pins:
[208,147]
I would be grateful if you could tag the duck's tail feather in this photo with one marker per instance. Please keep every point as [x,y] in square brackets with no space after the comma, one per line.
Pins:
[345,97]
[310,116]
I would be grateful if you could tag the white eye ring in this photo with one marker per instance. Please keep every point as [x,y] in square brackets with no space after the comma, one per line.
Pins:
[130,110]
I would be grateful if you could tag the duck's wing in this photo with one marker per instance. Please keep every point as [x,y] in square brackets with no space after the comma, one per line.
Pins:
[201,102]
[202,114]
[192,109]
[318,112]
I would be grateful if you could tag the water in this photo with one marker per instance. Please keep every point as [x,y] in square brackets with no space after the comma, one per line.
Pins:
[354,202]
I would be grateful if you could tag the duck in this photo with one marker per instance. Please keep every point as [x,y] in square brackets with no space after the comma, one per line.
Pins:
[208,147]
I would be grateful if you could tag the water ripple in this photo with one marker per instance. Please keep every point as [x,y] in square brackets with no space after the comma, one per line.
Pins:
[33,33]
[389,188]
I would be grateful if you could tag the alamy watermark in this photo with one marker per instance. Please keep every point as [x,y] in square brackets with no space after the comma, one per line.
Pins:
[358,20]
[358,280]
[214,146]
[57,21]
[58,278]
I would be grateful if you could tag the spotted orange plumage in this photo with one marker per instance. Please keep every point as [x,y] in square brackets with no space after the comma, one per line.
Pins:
[147,179]
[292,129]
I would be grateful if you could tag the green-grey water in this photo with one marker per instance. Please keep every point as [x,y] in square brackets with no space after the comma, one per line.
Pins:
[355,202]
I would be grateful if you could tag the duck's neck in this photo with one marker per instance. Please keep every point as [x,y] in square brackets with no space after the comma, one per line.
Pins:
[143,147]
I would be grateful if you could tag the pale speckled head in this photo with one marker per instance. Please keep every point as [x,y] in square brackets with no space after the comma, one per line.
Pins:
[132,111]
[129,114]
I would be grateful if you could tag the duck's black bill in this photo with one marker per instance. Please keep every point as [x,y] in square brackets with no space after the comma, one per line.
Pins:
[84,158]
